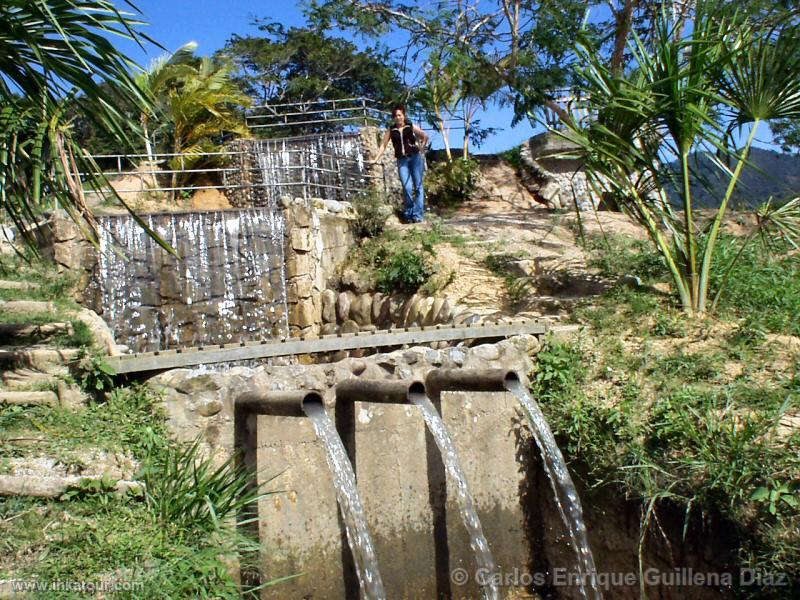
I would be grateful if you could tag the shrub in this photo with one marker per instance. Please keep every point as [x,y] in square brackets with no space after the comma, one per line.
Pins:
[371,214]
[451,183]
[403,271]
[188,492]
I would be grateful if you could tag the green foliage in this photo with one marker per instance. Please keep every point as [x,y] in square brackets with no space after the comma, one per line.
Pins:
[95,374]
[43,69]
[80,337]
[403,270]
[777,495]
[702,426]
[450,183]
[401,263]
[615,256]
[502,264]
[684,94]
[188,492]
[559,368]
[763,287]
[513,157]
[130,420]
[46,282]
[304,64]
[90,488]
[371,214]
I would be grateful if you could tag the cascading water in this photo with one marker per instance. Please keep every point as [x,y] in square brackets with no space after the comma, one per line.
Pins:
[228,287]
[350,506]
[328,166]
[566,497]
[478,543]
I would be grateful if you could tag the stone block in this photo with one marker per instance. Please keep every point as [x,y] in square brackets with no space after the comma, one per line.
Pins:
[300,216]
[300,264]
[361,310]
[343,303]
[329,306]
[302,314]
[302,240]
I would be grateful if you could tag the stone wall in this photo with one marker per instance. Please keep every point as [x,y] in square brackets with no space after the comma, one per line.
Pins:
[554,179]
[411,509]
[319,237]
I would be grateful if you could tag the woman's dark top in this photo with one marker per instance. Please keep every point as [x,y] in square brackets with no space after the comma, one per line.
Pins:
[403,140]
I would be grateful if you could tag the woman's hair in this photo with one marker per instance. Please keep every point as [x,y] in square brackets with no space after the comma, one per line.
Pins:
[399,107]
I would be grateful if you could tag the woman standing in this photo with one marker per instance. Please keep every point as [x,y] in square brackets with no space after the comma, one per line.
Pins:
[404,136]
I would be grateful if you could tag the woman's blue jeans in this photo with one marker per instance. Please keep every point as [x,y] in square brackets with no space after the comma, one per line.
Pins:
[411,169]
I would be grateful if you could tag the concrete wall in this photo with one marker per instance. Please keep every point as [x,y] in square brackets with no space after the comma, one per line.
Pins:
[410,507]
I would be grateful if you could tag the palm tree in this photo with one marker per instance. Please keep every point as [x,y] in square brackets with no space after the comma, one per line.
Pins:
[685,93]
[155,83]
[51,51]
[201,106]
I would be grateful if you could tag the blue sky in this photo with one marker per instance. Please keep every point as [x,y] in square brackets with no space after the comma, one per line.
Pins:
[211,23]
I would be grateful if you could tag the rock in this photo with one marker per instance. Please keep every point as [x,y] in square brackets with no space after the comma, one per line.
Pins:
[42,359]
[445,312]
[32,398]
[486,352]
[329,329]
[409,311]
[334,206]
[329,306]
[411,357]
[343,303]
[17,285]
[197,383]
[70,396]
[433,357]
[361,310]
[209,408]
[302,314]
[356,281]
[377,305]
[26,307]
[385,317]
[350,326]
[433,313]
[99,329]
[358,367]
[302,240]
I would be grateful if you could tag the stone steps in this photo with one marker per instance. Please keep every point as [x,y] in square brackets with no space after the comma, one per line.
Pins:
[53,487]
[29,398]
[26,307]
[18,285]
[10,332]
[37,358]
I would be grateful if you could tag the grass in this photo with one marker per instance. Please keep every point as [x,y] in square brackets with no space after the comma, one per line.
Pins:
[517,287]
[173,541]
[404,262]
[47,283]
[689,411]
[130,421]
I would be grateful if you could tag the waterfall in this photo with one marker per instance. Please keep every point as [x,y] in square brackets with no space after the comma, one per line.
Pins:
[350,506]
[466,504]
[566,496]
[328,166]
[229,285]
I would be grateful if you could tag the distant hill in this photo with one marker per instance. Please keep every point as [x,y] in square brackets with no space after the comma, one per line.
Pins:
[771,174]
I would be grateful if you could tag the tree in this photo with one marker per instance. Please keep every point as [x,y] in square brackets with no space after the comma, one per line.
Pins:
[301,64]
[49,53]
[202,104]
[687,93]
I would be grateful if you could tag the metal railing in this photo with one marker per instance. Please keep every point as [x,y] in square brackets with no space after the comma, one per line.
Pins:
[354,111]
